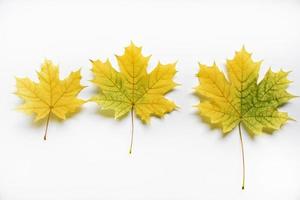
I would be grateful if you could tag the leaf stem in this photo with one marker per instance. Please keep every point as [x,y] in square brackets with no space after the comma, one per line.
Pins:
[47,124]
[243,155]
[132,130]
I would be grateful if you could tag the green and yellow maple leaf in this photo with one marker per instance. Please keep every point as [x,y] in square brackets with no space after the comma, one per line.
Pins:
[240,99]
[133,89]
[51,95]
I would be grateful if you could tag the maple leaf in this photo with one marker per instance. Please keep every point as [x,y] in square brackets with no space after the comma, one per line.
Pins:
[240,99]
[51,95]
[133,89]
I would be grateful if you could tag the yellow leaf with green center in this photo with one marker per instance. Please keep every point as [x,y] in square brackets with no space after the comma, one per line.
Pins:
[51,95]
[133,89]
[240,99]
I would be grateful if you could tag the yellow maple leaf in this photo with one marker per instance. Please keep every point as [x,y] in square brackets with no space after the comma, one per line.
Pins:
[133,89]
[241,100]
[51,95]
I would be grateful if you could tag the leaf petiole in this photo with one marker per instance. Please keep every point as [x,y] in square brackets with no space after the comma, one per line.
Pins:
[132,130]
[47,124]
[243,155]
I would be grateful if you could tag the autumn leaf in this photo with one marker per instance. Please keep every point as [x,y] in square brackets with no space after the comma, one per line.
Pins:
[240,99]
[133,89]
[51,95]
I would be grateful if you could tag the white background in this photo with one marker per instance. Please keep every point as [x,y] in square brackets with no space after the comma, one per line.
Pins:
[175,158]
